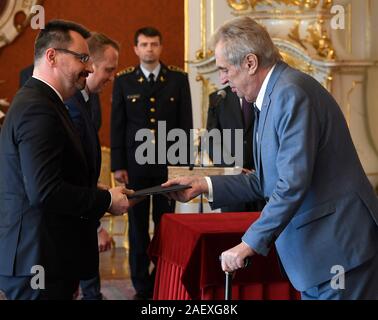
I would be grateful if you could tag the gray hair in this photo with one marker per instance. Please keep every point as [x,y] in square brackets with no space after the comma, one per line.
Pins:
[242,36]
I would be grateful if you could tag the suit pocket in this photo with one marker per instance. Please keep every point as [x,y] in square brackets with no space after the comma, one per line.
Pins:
[314,214]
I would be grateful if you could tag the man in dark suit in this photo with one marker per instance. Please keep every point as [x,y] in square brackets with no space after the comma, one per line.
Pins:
[322,212]
[104,54]
[46,193]
[231,112]
[143,96]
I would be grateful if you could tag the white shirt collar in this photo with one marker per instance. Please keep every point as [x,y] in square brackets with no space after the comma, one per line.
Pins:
[56,91]
[155,71]
[260,96]
[85,95]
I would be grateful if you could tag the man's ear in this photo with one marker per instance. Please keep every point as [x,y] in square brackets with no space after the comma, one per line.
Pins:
[50,56]
[252,63]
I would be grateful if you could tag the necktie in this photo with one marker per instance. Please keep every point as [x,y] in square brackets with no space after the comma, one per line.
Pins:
[247,113]
[255,134]
[151,79]
[257,117]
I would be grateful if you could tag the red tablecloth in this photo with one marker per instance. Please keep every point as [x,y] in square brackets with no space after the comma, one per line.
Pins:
[186,249]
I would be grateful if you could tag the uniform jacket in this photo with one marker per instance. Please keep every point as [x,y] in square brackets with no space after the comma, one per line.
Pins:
[136,105]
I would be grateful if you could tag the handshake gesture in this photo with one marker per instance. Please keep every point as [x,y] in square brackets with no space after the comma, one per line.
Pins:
[120,203]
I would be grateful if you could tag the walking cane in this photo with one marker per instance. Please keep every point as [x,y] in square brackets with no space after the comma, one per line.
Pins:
[228,286]
[228,279]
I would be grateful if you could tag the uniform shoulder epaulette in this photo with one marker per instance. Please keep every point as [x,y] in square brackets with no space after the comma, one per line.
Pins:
[175,68]
[125,71]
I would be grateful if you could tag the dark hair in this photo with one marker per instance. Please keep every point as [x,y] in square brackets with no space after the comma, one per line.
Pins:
[56,33]
[148,32]
[98,42]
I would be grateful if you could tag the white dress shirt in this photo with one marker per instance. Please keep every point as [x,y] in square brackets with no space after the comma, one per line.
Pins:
[147,72]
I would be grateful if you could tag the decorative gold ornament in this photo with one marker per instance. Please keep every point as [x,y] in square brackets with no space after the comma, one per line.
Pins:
[318,38]
[244,5]
[15,16]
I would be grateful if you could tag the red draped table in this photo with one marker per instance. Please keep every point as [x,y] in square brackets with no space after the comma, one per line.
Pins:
[185,251]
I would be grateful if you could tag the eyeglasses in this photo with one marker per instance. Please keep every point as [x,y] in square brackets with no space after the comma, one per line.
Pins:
[83,57]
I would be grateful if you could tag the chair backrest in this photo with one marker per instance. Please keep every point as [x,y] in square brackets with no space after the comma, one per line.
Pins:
[117,226]
[106,176]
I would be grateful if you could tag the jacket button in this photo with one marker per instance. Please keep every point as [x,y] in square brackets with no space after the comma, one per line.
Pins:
[152,110]
[152,120]
[152,99]
[172,99]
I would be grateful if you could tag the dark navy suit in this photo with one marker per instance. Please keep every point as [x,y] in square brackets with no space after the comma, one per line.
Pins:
[84,115]
[46,196]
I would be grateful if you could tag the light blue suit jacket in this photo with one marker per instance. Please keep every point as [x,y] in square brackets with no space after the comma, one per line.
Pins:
[321,210]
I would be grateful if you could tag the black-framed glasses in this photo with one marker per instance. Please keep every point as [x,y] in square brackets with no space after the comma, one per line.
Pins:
[83,57]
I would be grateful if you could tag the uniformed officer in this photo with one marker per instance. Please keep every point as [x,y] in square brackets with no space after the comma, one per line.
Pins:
[142,97]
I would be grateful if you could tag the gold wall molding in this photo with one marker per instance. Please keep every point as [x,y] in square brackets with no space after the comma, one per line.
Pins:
[208,87]
[203,52]
[349,104]
[14,18]
[244,5]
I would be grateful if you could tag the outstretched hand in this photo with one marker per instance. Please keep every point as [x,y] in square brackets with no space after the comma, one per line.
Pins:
[198,185]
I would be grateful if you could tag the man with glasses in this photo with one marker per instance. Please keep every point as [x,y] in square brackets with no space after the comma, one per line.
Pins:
[45,191]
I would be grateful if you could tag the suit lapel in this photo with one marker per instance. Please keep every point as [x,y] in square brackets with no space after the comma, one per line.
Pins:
[280,66]
[62,111]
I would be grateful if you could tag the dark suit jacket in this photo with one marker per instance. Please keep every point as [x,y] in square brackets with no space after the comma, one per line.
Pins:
[25,74]
[137,106]
[95,110]
[81,114]
[227,114]
[46,193]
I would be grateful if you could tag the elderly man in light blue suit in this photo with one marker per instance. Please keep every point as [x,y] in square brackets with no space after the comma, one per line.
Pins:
[322,212]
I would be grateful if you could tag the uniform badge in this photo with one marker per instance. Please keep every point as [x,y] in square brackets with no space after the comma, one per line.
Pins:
[141,79]
[133,97]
